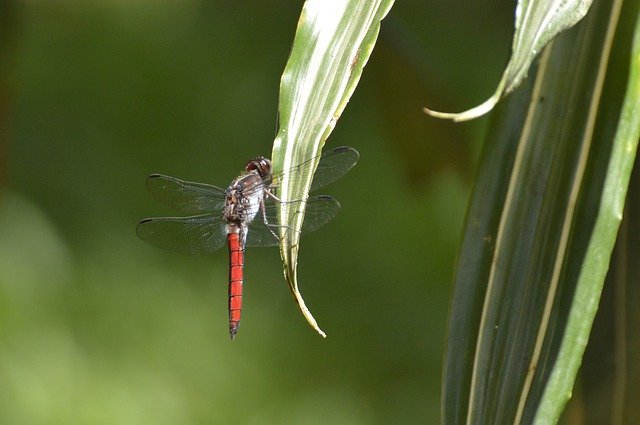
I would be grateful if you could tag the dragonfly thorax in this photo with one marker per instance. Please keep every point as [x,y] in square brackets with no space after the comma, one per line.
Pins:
[243,198]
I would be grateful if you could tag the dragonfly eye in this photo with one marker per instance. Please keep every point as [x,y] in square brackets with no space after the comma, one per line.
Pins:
[261,165]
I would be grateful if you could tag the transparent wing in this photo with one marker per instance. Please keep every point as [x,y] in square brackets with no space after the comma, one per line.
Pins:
[184,196]
[205,233]
[320,210]
[333,165]
[198,198]
[195,235]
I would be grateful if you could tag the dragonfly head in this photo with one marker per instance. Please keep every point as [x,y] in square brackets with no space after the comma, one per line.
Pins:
[260,165]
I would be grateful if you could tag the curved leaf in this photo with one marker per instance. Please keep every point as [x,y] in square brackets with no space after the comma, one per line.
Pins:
[536,23]
[332,44]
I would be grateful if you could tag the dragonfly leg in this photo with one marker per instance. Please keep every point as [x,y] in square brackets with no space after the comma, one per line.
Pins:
[272,196]
[264,216]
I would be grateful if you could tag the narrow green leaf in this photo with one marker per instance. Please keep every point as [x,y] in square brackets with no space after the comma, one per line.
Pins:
[541,223]
[625,279]
[596,262]
[333,42]
[476,252]
[536,23]
[608,386]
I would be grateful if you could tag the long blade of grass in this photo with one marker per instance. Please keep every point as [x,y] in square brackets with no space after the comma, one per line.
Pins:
[333,42]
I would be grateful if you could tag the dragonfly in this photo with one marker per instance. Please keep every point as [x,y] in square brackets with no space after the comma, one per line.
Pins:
[242,214]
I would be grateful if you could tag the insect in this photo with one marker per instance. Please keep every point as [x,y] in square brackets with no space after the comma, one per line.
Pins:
[243,214]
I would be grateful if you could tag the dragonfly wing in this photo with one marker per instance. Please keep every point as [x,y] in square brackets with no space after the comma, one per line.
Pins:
[333,165]
[319,211]
[195,235]
[184,196]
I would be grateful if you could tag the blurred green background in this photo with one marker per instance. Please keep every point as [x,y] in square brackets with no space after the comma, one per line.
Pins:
[97,327]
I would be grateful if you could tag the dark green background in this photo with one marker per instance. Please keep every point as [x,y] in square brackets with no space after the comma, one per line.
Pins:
[97,327]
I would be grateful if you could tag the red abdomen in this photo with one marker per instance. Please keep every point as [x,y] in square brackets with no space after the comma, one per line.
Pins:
[236,265]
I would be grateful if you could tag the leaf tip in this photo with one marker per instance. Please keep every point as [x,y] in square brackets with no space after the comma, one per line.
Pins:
[469,114]
[442,115]
[305,311]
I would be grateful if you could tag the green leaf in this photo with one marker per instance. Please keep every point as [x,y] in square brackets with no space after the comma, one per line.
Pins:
[333,42]
[541,227]
[536,23]
[596,261]
[624,318]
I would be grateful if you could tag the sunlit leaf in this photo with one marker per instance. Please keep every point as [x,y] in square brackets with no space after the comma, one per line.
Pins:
[332,44]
